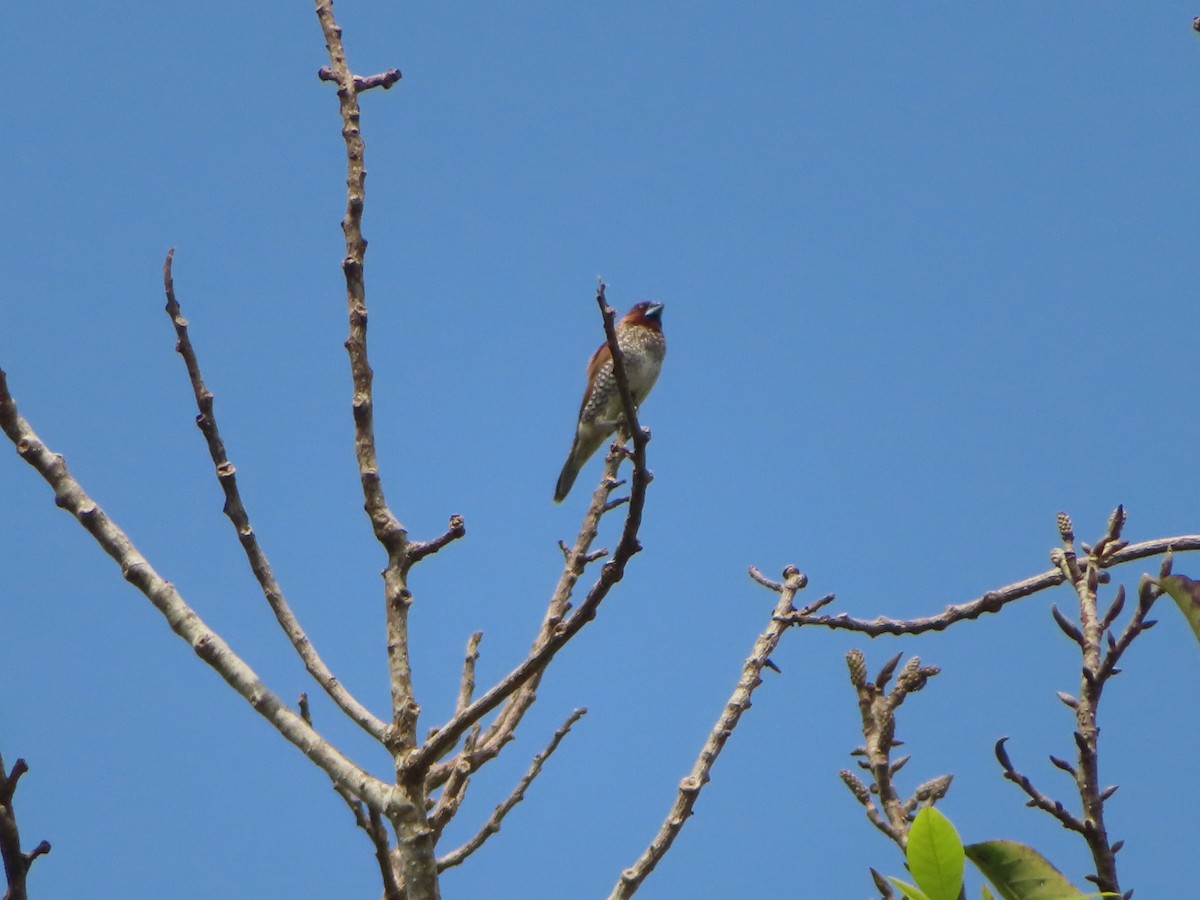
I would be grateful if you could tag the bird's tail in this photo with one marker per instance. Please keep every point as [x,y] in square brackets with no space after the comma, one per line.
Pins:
[566,478]
[587,441]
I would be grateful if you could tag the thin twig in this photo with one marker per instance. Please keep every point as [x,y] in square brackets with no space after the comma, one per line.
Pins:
[466,687]
[362,83]
[576,559]
[387,527]
[1037,799]
[690,787]
[415,841]
[372,826]
[877,708]
[369,821]
[444,739]
[992,601]
[418,550]
[236,511]
[492,825]
[182,619]
[1085,579]
[16,861]
[455,789]
[1148,593]
[1099,659]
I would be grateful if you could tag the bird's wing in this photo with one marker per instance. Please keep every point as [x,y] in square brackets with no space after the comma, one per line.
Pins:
[601,358]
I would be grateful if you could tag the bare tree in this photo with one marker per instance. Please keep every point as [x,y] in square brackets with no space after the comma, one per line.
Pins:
[404,813]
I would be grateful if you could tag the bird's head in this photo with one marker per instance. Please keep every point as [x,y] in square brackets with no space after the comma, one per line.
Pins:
[647,313]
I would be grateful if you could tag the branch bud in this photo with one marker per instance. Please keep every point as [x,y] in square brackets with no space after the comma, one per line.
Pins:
[1065,529]
[858,668]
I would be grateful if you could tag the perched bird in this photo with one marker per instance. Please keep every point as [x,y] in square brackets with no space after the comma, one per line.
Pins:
[640,337]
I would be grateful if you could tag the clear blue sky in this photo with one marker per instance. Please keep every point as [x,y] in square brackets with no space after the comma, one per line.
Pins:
[930,276]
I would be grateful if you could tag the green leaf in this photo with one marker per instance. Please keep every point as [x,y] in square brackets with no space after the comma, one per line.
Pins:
[986,894]
[1186,593]
[910,892]
[935,855]
[1019,872]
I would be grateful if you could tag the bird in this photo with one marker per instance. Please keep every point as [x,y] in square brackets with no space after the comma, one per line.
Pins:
[640,337]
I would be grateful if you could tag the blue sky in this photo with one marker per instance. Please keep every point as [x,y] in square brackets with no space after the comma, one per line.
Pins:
[929,276]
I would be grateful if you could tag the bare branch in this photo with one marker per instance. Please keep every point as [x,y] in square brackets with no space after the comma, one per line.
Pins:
[556,637]
[467,688]
[877,707]
[463,766]
[762,579]
[372,825]
[369,821]
[555,632]
[236,511]
[418,550]
[388,529]
[415,839]
[182,619]
[1097,668]
[1148,593]
[1036,798]
[641,475]
[492,825]
[16,862]
[521,694]
[690,787]
[993,601]
[383,80]
[576,560]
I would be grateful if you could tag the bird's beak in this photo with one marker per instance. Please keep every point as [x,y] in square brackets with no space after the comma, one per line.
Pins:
[654,310]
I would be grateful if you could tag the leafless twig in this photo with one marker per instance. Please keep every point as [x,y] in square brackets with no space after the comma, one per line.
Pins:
[555,636]
[362,83]
[415,852]
[236,511]
[994,601]
[492,825]
[388,529]
[16,861]
[691,786]
[1037,799]
[518,701]
[467,687]
[877,705]
[183,620]
[418,550]
[370,821]
[1100,657]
